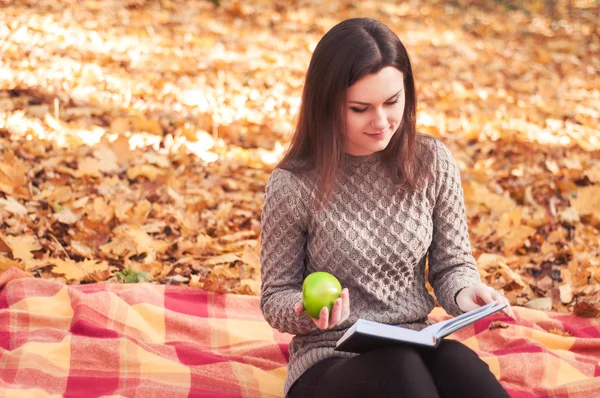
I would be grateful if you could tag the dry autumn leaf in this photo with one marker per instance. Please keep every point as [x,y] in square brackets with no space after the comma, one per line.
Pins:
[13,176]
[6,263]
[586,203]
[13,206]
[21,248]
[498,325]
[586,310]
[77,271]
[153,154]
[559,332]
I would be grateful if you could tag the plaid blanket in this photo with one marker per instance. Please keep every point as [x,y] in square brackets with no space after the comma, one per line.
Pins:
[147,340]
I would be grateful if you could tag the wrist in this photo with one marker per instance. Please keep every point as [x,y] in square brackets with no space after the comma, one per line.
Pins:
[456,295]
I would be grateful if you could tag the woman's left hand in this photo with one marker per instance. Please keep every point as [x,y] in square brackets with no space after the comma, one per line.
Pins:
[475,296]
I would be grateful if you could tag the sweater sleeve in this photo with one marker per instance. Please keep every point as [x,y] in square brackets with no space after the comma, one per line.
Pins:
[283,241]
[452,266]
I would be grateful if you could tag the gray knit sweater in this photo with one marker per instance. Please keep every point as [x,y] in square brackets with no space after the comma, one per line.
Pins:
[374,238]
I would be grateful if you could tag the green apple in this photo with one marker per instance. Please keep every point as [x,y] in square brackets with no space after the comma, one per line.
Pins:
[320,289]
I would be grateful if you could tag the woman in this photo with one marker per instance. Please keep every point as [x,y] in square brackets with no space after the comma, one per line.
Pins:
[360,195]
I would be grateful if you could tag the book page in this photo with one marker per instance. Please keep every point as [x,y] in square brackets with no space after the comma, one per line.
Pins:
[461,323]
[444,328]
[388,332]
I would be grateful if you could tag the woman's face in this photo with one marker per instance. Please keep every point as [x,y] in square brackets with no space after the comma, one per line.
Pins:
[374,109]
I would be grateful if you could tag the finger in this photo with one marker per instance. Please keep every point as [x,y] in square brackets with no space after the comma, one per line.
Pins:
[506,309]
[511,313]
[485,295]
[345,304]
[503,300]
[318,321]
[298,307]
[500,298]
[466,303]
[494,293]
[324,318]
[336,313]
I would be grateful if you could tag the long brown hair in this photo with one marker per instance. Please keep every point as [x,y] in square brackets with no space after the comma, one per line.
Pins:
[346,53]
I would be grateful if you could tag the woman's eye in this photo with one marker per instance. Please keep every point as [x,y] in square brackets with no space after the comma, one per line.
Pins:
[392,102]
[358,110]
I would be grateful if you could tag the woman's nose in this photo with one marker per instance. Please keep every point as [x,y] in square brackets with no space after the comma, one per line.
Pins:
[380,120]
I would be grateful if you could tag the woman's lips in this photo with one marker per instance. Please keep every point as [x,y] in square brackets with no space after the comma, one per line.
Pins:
[377,136]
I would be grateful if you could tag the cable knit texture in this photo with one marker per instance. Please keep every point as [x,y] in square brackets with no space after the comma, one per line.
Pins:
[375,238]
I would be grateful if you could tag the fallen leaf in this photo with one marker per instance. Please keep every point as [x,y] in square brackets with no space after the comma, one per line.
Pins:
[559,332]
[76,271]
[498,325]
[586,310]
[66,216]
[542,304]
[89,166]
[566,293]
[148,171]
[13,176]
[586,203]
[6,263]
[22,247]
[13,206]
[107,159]
[228,258]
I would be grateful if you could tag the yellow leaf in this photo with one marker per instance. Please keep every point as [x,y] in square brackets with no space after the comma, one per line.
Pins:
[12,206]
[557,235]
[89,166]
[66,216]
[121,149]
[252,284]
[476,194]
[541,304]
[147,125]
[6,263]
[13,176]
[566,293]
[81,249]
[119,247]
[586,203]
[486,261]
[131,240]
[157,160]
[122,207]
[119,125]
[512,232]
[145,170]
[554,330]
[101,210]
[140,213]
[569,216]
[77,270]
[251,257]
[91,74]
[593,175]
[58,195]
[22,246]
[240,235]
[107,159]
[228,258]
[484,228]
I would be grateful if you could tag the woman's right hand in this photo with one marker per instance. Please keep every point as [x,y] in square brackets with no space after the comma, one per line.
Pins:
[339,313]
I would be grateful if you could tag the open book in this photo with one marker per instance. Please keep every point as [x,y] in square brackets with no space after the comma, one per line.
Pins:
[367,335]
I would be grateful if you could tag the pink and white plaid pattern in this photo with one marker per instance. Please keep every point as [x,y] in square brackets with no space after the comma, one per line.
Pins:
[147,340]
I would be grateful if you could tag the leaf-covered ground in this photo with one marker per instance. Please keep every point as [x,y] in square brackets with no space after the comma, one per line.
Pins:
[136,137]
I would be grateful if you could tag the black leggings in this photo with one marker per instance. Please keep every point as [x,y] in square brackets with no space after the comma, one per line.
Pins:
[452,370]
